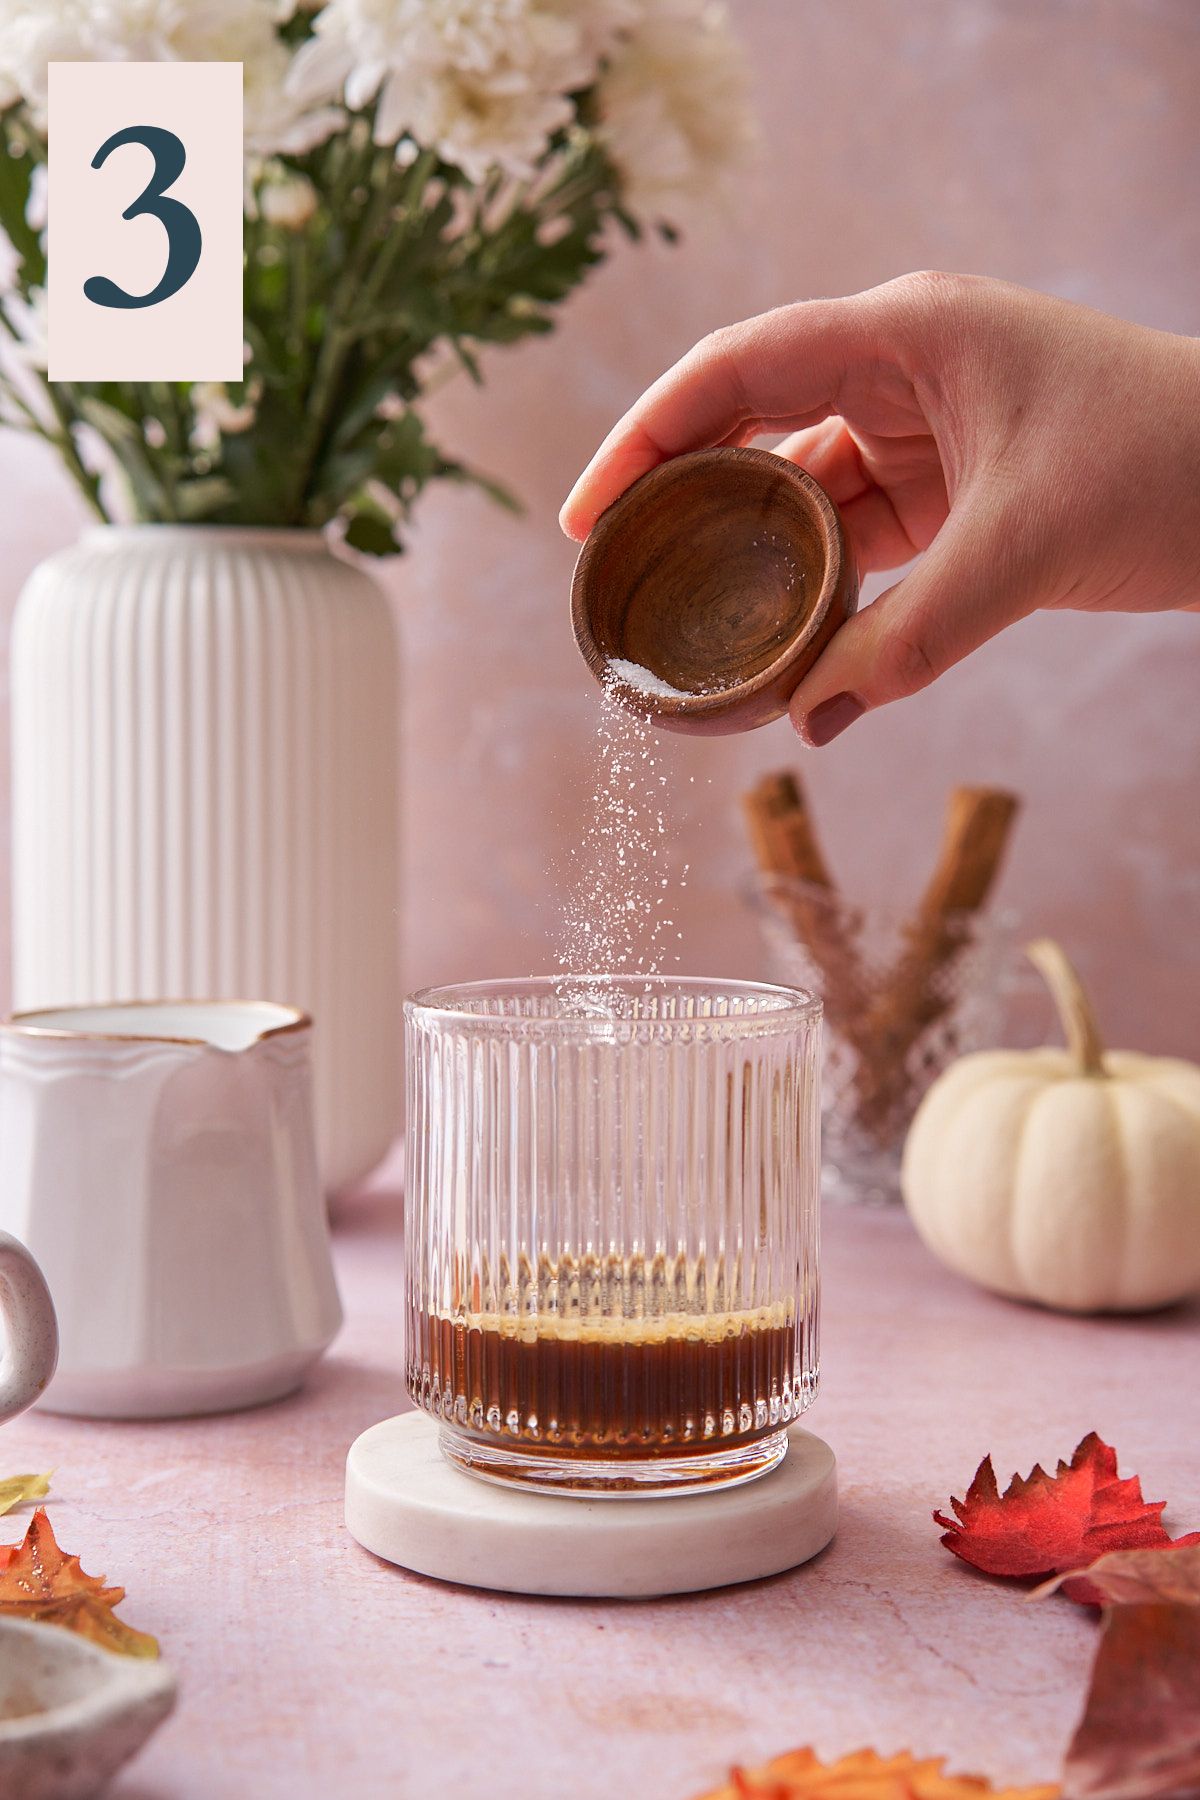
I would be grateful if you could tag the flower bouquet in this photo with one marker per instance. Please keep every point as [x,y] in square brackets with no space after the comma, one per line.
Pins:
[423,178]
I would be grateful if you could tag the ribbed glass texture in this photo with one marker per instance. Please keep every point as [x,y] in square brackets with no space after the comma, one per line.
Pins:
[612,1228]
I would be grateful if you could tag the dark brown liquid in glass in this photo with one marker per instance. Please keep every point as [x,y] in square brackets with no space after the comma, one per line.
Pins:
[618,1387]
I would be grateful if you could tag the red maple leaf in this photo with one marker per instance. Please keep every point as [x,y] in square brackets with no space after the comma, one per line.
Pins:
[1049,1524]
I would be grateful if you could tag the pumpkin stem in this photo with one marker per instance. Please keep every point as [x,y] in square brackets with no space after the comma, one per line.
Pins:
[1072,1004]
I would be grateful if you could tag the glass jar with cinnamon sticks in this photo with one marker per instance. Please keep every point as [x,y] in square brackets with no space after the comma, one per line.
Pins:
[905,992]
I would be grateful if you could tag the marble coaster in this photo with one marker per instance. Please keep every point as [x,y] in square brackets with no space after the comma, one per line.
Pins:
[407,1504]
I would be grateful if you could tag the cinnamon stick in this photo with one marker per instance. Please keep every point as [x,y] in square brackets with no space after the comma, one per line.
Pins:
[782,831]
[784,839]
[978,824]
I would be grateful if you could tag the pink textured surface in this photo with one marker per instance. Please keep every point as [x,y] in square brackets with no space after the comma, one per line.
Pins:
[309,1670]
[1052,144]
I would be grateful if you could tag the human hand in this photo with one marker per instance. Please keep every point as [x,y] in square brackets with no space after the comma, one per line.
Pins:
[1039,453]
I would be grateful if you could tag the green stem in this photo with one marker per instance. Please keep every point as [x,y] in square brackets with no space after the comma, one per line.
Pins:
[183,417]
[398,239]
[63,441]
[340,335]
[297,294]
[87,484]
[160,393]
[15,398]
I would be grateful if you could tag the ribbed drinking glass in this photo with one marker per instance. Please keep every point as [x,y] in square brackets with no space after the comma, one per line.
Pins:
[611,1228]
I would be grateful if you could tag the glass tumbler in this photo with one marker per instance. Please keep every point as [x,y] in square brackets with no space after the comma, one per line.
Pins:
[611,1228]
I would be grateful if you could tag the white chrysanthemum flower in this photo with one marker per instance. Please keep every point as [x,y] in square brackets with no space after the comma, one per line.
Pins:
[215,415]
[34,33]
[674,108]
[275,121]
[485,85]
[288,201]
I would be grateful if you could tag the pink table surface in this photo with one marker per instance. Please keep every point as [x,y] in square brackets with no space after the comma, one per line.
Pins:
[307,1668]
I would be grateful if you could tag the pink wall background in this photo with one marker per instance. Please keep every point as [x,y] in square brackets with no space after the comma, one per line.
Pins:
[1050,141]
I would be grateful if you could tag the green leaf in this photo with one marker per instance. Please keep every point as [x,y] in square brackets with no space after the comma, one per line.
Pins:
[361,406]
[372,533]
[263,465]
[114,426]
[495,490]
[16,174]
[629,225]
[342,475]
[203,495]
[468,360]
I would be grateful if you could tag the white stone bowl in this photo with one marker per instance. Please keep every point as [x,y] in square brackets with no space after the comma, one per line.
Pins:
[70,1712]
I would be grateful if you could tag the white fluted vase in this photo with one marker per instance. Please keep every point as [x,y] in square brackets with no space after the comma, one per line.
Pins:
[205,795]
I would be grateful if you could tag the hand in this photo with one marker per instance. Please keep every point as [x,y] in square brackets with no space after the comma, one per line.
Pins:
[1039,453]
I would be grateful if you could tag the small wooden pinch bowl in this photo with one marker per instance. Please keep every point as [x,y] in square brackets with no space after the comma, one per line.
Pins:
[723,574]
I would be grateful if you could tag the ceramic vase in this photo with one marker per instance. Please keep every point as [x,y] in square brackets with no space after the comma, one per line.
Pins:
[205,795]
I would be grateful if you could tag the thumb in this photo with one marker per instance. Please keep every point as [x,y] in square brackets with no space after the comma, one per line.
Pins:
[967,587]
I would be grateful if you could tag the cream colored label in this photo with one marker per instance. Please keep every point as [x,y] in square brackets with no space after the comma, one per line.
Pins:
[145,222]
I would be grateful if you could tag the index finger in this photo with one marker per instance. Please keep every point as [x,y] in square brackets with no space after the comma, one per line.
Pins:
[778,371]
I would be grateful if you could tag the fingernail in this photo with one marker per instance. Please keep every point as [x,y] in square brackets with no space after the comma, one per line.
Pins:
[826,721]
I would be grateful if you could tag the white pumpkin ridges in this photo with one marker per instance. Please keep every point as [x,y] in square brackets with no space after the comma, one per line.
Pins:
[918,1164]
[1161,1139]
[1179,1082]
[957,1196]
[979,1176]
[1068,1198]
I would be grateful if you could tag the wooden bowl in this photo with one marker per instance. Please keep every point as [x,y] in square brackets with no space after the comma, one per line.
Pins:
[721,575]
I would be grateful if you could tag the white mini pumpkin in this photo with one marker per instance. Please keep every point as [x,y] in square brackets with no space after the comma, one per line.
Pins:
[1069,1177]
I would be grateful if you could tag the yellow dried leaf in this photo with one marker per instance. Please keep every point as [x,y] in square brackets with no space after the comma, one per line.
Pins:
[864,1775]
[22,1487]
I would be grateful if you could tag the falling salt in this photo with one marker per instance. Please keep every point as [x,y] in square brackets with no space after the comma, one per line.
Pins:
[615,917]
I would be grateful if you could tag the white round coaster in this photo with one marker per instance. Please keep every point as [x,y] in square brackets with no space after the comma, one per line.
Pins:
[407,1504]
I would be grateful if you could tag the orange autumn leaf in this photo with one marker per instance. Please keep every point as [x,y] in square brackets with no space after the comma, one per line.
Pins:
[864,1775]
[37,1581]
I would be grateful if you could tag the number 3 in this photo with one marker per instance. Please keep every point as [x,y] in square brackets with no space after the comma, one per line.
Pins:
[179,223]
